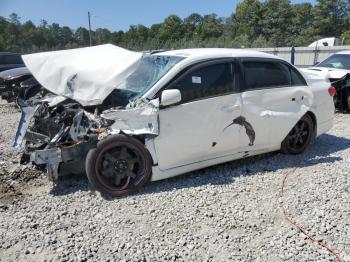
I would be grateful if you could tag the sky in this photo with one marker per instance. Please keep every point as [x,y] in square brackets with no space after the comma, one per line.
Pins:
[114,14]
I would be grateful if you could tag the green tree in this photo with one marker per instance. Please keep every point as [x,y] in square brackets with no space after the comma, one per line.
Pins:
[212,26]
[331,17]
[276,21]
[191,25]
[171,29]
[247,20]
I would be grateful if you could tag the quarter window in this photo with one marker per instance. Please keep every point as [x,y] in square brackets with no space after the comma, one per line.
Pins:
[297,78]
[205,82]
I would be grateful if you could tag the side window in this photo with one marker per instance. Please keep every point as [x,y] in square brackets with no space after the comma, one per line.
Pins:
[205,82]
[266,74]
[297,78]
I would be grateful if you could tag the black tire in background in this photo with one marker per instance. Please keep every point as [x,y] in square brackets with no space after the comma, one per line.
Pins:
[299,137]
[119,165]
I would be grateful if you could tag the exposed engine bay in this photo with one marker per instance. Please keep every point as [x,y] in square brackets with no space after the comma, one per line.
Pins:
[58,132]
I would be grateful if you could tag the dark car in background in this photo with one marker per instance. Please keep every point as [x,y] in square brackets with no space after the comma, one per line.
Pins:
[17,82]
[337,69]
[10,60]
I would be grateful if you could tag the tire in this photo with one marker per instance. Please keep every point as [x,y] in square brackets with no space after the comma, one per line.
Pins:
[299,137]
[118,166]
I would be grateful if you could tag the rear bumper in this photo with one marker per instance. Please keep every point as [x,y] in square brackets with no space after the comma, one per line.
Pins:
[324,127]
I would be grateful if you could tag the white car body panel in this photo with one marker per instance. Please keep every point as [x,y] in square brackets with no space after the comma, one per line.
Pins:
[195,131]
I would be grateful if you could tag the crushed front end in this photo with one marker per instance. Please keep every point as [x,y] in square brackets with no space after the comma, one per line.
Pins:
[58,133]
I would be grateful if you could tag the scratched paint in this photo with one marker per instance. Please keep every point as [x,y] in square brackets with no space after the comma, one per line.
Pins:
[248,128]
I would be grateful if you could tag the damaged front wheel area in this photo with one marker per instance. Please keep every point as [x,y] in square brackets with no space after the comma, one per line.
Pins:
[119,165]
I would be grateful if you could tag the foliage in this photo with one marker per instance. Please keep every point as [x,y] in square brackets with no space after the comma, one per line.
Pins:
[270,23]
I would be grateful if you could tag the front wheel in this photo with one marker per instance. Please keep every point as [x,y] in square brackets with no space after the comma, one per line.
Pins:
[119,165]
[299,137]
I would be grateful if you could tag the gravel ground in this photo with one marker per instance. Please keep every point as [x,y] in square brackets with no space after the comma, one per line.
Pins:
[228,212]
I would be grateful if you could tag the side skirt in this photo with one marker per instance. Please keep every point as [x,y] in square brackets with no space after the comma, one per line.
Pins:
[158,174]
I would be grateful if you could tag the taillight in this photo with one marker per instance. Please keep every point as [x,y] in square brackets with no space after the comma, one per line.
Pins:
[332,91]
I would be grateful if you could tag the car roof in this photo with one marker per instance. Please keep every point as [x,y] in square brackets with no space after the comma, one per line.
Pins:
[219,52]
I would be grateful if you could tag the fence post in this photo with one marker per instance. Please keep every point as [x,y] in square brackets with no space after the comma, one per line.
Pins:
[292,55]
[316,55]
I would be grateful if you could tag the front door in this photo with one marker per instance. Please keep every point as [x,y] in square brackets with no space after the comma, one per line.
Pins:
[201,126]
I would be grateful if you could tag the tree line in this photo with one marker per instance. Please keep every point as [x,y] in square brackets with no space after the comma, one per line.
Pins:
[272,23]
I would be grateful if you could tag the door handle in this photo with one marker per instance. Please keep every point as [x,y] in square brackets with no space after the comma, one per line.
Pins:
[231,108]
[266,115]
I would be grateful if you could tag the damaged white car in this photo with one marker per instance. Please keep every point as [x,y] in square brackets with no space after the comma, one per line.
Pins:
[126,118]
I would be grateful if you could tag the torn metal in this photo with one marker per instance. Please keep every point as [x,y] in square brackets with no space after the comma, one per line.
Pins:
[134,121]
[342,97]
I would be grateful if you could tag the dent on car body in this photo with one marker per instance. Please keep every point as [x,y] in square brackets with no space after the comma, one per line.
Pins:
[248,128]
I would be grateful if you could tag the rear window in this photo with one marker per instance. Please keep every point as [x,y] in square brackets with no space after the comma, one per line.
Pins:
[10,59]
[271,74]
[263,74]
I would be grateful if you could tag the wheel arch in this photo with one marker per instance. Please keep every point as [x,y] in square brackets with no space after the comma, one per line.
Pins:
[314,120]
[147,143]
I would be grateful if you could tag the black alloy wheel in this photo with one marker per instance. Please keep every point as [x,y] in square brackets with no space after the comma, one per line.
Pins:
[299,137]
[119,165]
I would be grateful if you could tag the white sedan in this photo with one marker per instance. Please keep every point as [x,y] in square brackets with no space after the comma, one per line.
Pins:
[186,110]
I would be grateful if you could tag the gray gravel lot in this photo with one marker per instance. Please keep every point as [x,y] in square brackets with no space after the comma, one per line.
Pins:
[228,212]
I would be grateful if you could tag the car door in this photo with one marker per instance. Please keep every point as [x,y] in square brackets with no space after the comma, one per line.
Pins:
[275,96]
[201,126]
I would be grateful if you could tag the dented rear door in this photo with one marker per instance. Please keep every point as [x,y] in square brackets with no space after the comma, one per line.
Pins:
[275,96]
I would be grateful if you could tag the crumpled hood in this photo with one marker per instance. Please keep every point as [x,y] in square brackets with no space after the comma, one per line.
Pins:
[86,75]
[14,73]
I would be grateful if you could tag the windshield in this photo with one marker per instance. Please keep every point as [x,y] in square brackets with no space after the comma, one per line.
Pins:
[336,61]
[148,71]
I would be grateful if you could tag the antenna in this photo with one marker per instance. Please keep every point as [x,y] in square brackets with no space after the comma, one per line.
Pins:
[89,28]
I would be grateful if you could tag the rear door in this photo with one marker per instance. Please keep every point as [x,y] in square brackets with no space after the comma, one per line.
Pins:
[275,96]
[201,126]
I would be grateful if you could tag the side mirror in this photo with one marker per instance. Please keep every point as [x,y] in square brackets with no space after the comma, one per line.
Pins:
[170,97]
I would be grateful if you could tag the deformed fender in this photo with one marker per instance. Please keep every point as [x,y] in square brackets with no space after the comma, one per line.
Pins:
[140,120]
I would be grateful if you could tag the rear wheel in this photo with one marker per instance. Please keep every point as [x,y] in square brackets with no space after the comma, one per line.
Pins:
[299,137]
[119,165]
